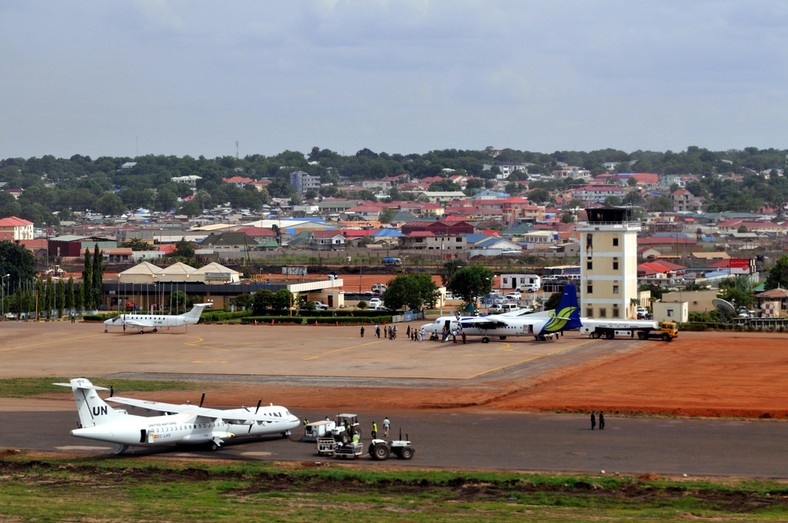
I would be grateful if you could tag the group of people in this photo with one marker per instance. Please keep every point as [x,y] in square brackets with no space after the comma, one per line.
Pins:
[455,331]
[390,332]
[601,420]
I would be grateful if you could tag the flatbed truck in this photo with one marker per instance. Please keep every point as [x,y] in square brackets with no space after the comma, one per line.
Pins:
[642,329]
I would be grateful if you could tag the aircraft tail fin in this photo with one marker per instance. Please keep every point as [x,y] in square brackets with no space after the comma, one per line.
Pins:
[91,408]
[193,316]
[567,315]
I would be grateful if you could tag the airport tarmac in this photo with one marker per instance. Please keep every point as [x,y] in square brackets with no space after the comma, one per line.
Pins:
[454,395]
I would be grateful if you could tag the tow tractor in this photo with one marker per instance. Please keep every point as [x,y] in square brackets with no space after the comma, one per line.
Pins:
[380,449]
[346,444]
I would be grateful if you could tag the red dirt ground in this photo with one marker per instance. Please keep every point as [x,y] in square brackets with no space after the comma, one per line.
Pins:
[701,374]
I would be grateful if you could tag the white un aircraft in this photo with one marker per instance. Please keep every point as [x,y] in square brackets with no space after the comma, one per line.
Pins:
[516,323]
[181,424]
[154,322]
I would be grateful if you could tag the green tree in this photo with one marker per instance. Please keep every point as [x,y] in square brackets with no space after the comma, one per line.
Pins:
[450,267]
[19,263]
[184,249]
[136,244]
[539,195]
[69,299]
[61,297]
[109,204]
[553,301]
[778,275]
[471,282]
[97,273]
[49,297]
[414,290]
[243,301]
[40,299]
[179,301]
[87,282]
[261,303]
[79,297]
[444,185]
[282,300]
[738,290]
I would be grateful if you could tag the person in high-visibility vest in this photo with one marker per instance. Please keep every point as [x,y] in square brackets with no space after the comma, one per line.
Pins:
[374,430]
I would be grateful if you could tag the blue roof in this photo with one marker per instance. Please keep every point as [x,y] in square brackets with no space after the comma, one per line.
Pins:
[387,233]
[475,237]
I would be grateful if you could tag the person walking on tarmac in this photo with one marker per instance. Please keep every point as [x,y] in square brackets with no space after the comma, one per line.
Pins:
[601,420]
[374,430]
[362,331]
[593,420]
[386,426]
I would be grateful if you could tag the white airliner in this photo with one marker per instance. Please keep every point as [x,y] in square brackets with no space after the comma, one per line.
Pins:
[181,424]
[515,323]
[154,322]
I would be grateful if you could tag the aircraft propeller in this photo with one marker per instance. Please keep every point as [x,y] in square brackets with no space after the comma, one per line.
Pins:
[202,399]
[259,402]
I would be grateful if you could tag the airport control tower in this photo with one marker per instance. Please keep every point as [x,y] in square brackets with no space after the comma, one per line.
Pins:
[608,264]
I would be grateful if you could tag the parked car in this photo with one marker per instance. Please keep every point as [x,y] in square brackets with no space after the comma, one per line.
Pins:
[379,288]
[320,306]
[516,296]
[374,303]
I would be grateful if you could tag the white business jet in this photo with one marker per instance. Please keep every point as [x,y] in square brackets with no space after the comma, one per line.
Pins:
[181,424]
[154,322]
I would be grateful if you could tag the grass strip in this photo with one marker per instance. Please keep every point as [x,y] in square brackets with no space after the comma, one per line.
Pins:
[27,387]
[123,489]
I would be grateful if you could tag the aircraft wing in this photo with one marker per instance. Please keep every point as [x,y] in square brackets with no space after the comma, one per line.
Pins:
[139,323]
[484,322]
[172,408]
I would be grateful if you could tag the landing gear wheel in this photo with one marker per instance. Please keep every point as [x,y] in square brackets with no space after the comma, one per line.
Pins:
[105,330]
[120,449]
[155,330]
[406,452]
[214,445]
[485,340]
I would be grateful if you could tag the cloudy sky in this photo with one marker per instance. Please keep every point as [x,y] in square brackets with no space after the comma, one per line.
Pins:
[192,77]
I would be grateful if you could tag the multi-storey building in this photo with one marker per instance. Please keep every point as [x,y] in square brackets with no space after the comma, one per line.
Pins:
[608,264]
[303,181]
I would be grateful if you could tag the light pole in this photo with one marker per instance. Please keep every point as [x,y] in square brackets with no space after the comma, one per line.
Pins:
[2,295]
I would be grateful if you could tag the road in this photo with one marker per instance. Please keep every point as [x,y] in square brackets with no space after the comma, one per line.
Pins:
[494,440]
